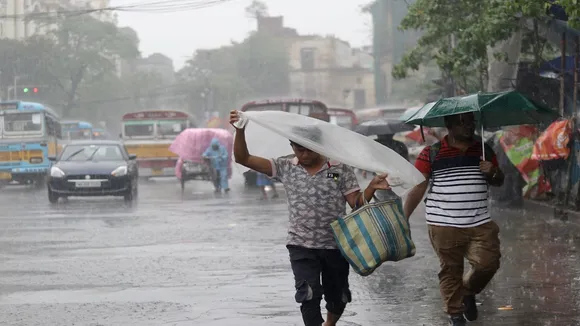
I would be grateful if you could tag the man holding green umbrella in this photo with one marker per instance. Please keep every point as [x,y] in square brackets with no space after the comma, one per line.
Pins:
[460,169]
[457,213]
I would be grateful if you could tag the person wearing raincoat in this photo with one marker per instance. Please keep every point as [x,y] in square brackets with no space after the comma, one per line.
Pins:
[218,156]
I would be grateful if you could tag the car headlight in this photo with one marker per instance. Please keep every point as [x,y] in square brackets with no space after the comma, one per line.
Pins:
[56,172]
[120,171]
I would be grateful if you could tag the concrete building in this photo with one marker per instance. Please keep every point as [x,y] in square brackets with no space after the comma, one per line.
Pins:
[389,43]
[329,69]
[325,68]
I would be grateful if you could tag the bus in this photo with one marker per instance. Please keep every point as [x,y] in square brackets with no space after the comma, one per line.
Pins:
[148,135]
[343,117]
[311,108]
[76,130]
[29,134]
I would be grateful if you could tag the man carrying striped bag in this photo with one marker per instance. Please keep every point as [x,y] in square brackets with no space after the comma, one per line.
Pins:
[457,213]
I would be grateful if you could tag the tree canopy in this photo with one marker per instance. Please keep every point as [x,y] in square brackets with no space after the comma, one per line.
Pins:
[458,34]
[76,64]
[220,79]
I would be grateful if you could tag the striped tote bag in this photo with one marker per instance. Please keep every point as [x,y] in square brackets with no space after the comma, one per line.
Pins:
[373,234]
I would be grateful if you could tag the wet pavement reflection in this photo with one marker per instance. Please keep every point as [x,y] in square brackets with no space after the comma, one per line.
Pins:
[205,259]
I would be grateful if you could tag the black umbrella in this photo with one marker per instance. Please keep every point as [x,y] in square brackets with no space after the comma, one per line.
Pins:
[383,127]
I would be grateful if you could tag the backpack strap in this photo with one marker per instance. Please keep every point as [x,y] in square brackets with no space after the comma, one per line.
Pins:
[433,151]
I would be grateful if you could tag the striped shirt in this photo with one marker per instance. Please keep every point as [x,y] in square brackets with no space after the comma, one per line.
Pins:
[459,193]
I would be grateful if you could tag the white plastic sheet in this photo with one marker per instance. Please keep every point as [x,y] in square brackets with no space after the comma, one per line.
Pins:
[330,140]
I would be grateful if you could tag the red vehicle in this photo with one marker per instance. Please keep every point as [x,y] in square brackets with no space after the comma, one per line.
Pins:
[311,108]
[343,117]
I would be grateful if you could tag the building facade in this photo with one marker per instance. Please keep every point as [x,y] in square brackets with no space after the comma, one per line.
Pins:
[328,69]
[325,67]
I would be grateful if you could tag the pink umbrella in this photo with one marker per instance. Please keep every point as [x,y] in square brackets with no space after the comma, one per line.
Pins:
[190,144]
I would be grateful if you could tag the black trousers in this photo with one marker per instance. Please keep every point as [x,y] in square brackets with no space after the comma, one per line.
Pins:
[308,266]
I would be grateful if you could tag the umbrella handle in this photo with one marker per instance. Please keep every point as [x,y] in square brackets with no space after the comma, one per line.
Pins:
[422,133]
[482,143]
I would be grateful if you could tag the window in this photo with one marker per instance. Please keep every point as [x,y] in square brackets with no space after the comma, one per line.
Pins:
[307,58]
[317,109]
[303,109]
[171,128]
[140,129]
[22,123]
[79,134]
[53,128]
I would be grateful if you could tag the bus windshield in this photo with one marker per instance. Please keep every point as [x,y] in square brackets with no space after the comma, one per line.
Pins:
[79,134]
[139,129]
[171,127]
[22,123]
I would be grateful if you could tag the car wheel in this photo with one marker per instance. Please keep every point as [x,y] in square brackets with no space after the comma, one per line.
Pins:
[52,197]
[131,194]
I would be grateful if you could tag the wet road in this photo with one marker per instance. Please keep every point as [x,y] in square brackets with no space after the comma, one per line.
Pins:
[220,260]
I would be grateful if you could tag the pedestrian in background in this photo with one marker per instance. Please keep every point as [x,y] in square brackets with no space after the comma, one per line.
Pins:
[457,212]
[317,190]
[263,181]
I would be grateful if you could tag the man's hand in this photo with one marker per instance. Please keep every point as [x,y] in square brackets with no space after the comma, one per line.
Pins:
[234,117]
[487,168]
[379,182]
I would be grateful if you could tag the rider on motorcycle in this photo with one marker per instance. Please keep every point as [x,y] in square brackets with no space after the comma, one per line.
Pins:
[218,156]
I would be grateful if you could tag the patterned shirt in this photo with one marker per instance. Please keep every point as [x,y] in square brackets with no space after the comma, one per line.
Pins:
[314,201]
[459,193]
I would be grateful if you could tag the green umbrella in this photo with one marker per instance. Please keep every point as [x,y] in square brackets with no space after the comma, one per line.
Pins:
[491,110]
[411,112]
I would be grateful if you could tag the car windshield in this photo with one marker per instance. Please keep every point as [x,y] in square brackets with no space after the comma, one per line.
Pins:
[16,123]
[92,153]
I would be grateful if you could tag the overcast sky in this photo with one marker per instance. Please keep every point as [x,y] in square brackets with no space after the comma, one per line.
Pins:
[178,34]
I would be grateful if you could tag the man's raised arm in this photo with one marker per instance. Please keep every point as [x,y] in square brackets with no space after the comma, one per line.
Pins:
[242,155]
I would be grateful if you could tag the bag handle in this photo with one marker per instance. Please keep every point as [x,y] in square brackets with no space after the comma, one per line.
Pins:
[365,202]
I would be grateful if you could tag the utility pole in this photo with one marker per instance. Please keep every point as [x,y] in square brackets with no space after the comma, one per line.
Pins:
[450,84]
[15,87]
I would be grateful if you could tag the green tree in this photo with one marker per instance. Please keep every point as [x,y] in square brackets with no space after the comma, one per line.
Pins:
[12,59]
[81,50]
[458,34]
[257,9]
[219,79]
